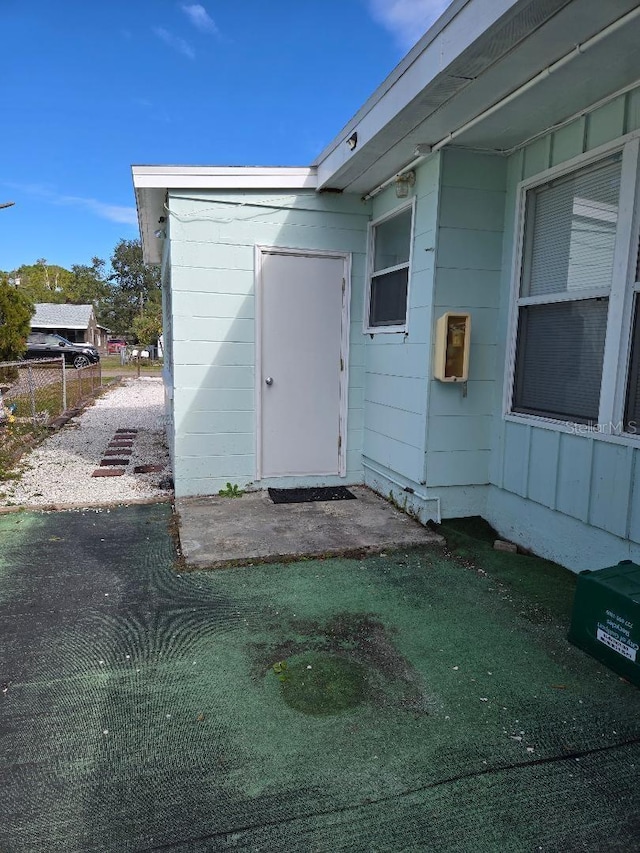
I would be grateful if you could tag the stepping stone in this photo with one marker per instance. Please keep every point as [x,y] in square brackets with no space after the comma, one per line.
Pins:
[108,472]
[147,469]
[113,462]
[126,431]
[121,442]
[117,451]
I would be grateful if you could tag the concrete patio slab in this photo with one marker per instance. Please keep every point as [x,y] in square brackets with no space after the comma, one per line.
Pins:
[217,531]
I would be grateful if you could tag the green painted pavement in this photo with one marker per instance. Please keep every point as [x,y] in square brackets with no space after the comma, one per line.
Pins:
[141,708]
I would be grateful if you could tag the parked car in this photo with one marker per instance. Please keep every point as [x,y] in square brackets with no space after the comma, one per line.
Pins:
[42,345]
[115,345]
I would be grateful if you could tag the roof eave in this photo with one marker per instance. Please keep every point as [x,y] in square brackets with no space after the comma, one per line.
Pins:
[151,184]
[463,23]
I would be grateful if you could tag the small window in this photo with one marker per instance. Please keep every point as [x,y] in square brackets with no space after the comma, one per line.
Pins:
[569,240]
[390,254]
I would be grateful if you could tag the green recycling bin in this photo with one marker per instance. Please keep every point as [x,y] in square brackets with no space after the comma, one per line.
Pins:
[605,621]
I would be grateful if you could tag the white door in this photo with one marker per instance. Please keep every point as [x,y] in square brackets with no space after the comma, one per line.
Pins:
[302,377]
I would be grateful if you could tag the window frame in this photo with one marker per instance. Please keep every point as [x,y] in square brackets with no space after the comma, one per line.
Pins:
[403,328]
[617,348]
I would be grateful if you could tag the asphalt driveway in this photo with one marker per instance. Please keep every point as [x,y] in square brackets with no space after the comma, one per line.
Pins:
[405,701]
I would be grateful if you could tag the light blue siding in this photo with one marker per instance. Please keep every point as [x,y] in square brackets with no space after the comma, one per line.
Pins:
[410,424]
[634,505]
[606,123]
[460,287]
[398,365]
[572,497]
[568,142]
[213,321]
[537,158]
[458,468]
[556,536]
[633,110]
[472,209]
[467,278]
[464,249]
[407,360]
[450,432]
[400,457]
[574,476]
[447,399]
[406,393]
[610,490]
[515,464]
[482,362]
[190,306]
[544,448]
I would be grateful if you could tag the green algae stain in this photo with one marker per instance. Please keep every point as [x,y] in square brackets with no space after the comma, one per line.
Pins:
[322,685]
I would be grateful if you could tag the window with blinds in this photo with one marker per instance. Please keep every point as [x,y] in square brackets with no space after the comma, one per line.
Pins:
[632,403]
[632,408]
[390,248]
[569,244]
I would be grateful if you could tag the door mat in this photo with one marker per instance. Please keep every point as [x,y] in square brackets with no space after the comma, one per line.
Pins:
[299,496]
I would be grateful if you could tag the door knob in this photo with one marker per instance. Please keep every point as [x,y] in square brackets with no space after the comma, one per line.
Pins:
[268,380]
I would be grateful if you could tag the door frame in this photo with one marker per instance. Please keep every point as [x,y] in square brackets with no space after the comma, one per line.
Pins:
[259,253]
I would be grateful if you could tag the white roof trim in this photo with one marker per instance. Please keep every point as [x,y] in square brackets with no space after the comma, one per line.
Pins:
[405,64]
[224,177]
[61,325]
[459,27]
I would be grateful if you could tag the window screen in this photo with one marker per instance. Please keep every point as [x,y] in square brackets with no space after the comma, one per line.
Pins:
[559,359]
[389,298]
[390,271]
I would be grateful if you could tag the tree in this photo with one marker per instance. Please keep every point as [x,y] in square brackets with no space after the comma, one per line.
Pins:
[147,327]
[88,284]
[135,287]
[43,282]
[15,321]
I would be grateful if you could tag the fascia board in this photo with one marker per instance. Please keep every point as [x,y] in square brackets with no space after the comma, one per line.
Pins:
[59,325]
[215,177]
[462,25]
[151,181]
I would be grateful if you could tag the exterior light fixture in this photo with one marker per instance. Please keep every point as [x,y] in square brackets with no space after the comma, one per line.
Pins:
[352,141]
[160,234]
[404,183]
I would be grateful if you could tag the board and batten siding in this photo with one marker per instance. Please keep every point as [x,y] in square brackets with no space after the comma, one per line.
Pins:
[574,497]
[213,239]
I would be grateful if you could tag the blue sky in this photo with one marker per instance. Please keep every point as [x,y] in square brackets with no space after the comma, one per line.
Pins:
[91,88]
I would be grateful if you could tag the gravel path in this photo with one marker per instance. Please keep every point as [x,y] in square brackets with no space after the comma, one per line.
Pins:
[59,471]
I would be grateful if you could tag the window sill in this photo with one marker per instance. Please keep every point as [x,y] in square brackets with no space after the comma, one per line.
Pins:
[614,436]
[387,330]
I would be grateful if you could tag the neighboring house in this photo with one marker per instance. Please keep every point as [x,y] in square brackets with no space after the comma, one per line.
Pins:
[494,174]
[77,323]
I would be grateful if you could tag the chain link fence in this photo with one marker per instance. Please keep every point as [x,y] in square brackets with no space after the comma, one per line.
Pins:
[35,392]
